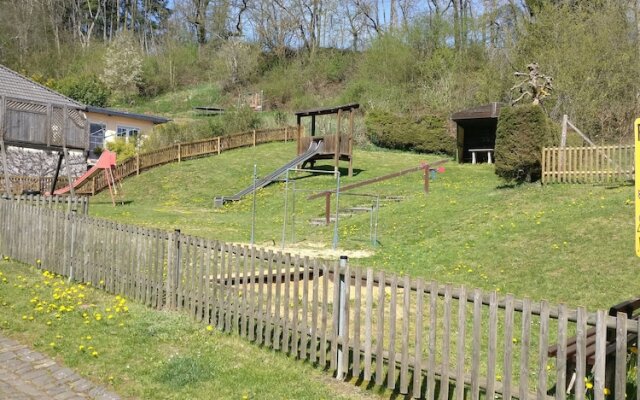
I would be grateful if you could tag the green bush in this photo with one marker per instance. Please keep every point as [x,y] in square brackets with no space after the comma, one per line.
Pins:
[179,132]
[521,134]
[86,89]
[427,134]
[233,120]
[240,119]
[124,149]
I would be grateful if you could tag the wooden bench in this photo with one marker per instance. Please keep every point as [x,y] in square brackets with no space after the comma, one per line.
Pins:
[630,308]
[474,151]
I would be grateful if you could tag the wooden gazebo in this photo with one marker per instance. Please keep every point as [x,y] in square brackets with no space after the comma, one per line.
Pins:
[34,116]
[337,146]
[476,132]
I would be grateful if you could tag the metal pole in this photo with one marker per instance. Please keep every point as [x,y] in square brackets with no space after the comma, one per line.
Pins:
[284,222]
[335,229]
[342,322]
[253,211]
[293,214]
[375,225]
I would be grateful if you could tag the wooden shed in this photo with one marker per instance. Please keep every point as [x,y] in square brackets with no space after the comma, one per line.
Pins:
[476,132]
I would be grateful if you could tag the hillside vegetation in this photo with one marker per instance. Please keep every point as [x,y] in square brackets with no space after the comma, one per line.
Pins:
[564,243]
[416,59]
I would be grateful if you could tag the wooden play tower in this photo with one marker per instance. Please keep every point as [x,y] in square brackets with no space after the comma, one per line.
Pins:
[337,146]
[35,117]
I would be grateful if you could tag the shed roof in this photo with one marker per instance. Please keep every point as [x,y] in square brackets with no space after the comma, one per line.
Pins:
[327,110]
[14,85]
[109,111]
[491,110]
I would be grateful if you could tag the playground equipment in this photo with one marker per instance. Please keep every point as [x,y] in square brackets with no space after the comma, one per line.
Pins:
[106,164]
[338,146]
[427,168]
[34,117]
[314,149]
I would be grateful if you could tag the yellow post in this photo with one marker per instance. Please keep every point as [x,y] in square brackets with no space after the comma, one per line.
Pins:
[636,129]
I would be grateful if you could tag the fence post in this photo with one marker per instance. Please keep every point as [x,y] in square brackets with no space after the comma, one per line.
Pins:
[285,134]
[137,163]
[173,269]
[218,145]
[254,138]
[72,221]
[342,321]
[179,151]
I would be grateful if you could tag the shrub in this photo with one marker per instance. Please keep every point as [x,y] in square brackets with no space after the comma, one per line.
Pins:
[427,134]
[86,89]
[233,120]
[180,132]
[522,132]
[124,149]
[240,119]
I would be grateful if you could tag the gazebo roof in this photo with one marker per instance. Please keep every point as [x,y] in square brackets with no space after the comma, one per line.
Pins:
[491,110]
[327,110]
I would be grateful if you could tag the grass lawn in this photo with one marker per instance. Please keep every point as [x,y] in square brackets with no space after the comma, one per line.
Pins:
[563,243]
[141,353]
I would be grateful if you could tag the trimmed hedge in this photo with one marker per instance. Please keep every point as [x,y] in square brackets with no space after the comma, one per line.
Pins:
[522,132]
[427,134]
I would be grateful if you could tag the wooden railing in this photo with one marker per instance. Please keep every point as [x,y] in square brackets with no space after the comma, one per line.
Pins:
[184,151]
[413,337]
[595,164]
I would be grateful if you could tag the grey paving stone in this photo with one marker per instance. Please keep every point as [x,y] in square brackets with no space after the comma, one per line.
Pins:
[29,375]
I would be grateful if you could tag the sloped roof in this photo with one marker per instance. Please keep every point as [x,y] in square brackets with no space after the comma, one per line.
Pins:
[12,84]
[327,110]
[145,117]
[491,110]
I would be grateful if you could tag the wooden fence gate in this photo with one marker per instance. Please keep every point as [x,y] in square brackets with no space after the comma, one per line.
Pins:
[593,164]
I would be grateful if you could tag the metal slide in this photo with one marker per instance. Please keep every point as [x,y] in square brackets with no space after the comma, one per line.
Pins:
[314,149]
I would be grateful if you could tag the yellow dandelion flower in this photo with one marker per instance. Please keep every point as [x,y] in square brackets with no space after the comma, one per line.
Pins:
[52,344]
[589,385]
[81,347]
[88,337]
[209,328]
[607,391]
[94,353]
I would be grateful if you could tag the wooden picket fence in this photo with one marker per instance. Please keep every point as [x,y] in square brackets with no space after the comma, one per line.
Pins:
[417,338]
[593,164]
[185,151]
[79,204]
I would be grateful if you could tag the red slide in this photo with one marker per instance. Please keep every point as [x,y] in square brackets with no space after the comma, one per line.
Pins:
[107,160]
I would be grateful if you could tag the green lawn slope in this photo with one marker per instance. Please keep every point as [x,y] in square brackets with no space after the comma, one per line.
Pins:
[563,243]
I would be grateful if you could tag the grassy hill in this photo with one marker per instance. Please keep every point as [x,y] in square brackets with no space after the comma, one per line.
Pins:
[563,243]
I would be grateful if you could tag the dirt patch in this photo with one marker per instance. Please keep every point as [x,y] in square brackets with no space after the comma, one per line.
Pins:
[315,250]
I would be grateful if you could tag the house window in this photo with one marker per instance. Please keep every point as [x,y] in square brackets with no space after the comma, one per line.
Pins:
[127,132]
[96,138]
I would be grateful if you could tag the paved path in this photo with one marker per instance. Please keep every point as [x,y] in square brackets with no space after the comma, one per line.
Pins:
[28,375]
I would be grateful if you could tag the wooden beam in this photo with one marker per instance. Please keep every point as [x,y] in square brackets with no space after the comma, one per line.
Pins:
[376,179]
[3,147]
